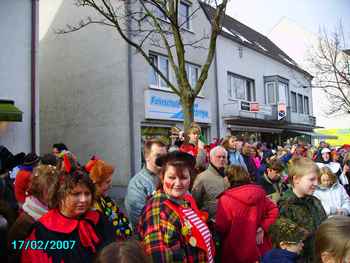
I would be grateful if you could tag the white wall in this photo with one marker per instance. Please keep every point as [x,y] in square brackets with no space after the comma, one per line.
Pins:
[255,66]
[83,89]
[15,70]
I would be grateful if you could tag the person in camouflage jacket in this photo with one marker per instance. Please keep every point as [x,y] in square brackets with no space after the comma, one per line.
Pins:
[299,205]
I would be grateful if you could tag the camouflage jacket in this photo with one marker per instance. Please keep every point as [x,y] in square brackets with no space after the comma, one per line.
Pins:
[308,213]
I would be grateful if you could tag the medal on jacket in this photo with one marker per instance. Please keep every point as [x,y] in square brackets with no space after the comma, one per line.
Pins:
[186,229]
[193,241]
[187,233]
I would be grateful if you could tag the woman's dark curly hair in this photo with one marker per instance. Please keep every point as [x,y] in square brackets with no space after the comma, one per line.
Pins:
[65,185]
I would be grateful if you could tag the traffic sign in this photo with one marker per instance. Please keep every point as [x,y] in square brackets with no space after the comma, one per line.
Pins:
[281,111]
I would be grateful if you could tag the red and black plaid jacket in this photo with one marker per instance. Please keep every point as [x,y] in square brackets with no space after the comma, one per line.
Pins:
[159,229]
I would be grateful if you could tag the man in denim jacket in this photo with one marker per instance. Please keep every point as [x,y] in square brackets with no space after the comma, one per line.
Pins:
[145,182]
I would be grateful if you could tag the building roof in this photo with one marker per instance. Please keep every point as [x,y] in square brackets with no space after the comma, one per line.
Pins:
[244,35]
[347,51]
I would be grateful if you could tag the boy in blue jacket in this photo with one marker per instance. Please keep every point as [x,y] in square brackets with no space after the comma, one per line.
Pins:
[287,238]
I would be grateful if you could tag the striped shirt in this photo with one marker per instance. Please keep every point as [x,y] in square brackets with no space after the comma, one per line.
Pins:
[203,229]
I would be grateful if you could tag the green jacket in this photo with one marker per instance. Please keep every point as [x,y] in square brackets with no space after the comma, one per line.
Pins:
[308,213]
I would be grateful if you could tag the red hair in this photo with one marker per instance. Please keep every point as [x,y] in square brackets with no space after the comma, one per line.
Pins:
[101,171]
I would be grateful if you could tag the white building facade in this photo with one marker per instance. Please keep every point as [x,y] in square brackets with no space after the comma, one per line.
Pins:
[256,82]
[18,93]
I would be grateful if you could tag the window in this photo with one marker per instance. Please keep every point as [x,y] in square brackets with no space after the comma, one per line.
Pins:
[240,88]
[294,101]
[276,90]
[192,74]
[306,105]
[300,104]
[163,65]
[162,62]
[271,93]
[282,93]
[153,77]
[184,15]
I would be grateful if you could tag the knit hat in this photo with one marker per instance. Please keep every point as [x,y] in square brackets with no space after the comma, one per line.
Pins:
[325,150]
[31,159]
[285,230]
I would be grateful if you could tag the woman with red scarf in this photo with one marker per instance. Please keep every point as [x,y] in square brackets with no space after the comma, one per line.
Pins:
[172,228]
[70,231]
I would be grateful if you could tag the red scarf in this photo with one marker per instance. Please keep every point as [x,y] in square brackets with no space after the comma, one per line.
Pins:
[55,221]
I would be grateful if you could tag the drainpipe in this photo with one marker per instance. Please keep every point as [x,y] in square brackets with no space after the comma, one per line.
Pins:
[33,73]
[218,121]
[131,97]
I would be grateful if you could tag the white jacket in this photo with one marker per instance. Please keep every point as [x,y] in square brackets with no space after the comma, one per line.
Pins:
[333,198]
[343,179]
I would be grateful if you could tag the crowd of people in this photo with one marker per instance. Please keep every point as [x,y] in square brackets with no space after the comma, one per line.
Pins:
[229,201]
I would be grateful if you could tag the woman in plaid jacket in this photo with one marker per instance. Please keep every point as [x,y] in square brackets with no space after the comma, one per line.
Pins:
[172,228]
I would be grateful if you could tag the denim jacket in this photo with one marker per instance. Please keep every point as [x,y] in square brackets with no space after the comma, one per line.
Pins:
[140,188]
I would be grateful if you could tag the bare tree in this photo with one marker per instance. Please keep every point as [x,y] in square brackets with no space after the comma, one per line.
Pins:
[331,64]
[160,23]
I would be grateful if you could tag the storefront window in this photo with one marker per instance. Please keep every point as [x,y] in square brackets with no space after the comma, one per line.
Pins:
[250,137]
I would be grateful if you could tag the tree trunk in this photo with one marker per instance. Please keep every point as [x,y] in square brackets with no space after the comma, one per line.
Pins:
[187,108]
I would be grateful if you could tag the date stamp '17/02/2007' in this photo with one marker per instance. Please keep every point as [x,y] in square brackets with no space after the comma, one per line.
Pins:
[43,244]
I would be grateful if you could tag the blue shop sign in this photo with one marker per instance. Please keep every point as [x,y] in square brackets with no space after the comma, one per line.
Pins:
[166,106]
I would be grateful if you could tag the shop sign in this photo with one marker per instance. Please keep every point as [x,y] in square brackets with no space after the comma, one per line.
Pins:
[281,111]
[166,106]
[245,105]
[254,107]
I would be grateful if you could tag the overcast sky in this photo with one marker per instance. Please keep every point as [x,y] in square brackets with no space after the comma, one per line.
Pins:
[263,15]
[310,15]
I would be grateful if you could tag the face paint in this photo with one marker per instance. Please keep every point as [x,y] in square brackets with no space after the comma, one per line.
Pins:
[169,185]
[176,185]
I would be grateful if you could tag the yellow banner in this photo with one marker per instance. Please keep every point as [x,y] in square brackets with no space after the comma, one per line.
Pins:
[342,134]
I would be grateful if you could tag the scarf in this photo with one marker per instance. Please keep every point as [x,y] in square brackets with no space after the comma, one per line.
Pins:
[220,171]
[33,207]
[85,224]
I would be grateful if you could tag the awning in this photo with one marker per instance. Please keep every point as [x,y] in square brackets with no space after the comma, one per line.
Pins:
[254,129]
[317,135]
[9,112]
